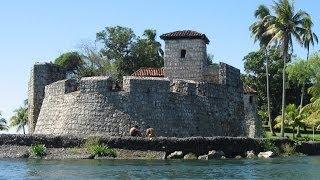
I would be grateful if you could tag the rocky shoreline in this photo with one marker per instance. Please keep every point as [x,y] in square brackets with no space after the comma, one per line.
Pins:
[71,147]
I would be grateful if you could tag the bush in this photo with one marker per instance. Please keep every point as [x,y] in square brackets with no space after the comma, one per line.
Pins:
[38,150]
[268,145]
[71,61]
[101,150]
[288,150]
[92,141]
[96,148]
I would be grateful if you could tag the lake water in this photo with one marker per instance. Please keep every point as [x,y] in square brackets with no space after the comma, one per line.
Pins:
[283,168]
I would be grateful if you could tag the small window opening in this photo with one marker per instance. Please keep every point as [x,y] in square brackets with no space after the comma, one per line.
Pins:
[183,53]
[251,99]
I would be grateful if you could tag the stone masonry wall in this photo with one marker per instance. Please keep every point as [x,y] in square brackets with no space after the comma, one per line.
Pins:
[253,124]
[188,109]
[41,75]
[191,67]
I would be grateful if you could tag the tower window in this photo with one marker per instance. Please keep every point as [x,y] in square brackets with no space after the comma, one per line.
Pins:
[250,99]
[183,53]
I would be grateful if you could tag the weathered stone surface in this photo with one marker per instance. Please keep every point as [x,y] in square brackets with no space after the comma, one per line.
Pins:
[251,154]
[267,154]
[215,154]
[203,157]
[253,125]
[193,109]
[175,155]
[238,157]
[42,74]
[190,156]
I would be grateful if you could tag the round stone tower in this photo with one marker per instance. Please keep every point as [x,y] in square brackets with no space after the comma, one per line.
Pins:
[185,55]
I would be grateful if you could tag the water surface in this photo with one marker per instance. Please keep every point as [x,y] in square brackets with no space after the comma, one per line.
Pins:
[283,168]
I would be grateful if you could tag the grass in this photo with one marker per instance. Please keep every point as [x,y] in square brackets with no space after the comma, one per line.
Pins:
[101,150]
[38,150]
[304,136]
[95,147]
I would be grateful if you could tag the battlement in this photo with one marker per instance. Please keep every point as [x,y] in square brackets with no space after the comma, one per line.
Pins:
[62,87]
[226,76]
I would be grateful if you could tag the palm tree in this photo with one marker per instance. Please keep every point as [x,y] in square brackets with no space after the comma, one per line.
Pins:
[313,118]
[258,29]
[20,119]
[308,36]
[3,124]
[282,26]
[293,117]
[301,72]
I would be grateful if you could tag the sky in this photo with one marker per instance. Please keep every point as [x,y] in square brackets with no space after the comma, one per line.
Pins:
[37,31]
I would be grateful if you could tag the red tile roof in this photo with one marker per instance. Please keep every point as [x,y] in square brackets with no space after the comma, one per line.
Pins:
[149,72]
[248,90]
[185,34]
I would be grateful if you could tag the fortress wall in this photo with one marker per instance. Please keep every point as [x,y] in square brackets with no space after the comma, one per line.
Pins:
[181,113]
[41,75]
[253,124]
[229,75]
[146,84]
[100,84]
[62,87]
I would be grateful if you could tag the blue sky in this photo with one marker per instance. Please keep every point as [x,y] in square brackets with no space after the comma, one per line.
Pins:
[37,30]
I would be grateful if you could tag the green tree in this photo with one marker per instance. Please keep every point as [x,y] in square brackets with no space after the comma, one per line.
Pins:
[147,52]
[20,118]
[283,25]
[258,29]
[254,66]
[301,73]
[94,62]
[70,61]
[3,124]
[117,43]
[126,53]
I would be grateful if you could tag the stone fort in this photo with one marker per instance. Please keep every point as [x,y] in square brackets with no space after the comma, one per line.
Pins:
[187,97]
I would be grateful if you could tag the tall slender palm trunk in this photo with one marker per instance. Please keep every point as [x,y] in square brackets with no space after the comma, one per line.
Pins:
[302,94]
[285,55]
[268,93]
[300,107]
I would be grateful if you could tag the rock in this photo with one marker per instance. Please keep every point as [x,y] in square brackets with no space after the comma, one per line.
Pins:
[267,154]
[250,154]
[203,157]
[215,154]
[223,157]
[238,157]
[190,156]
[175,155]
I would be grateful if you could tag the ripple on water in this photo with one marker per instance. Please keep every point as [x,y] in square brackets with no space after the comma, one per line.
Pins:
[285,168]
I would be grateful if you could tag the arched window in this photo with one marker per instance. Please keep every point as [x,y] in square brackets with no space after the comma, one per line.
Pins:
[183,53]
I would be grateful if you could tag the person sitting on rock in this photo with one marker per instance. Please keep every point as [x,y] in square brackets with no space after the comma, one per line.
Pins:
[135,132]
[150,132]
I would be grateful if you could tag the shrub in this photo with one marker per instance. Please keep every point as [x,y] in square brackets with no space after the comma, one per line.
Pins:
[288,150]
[101,150]
[92,141]
[96,148]
[38,150]
[268,145]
